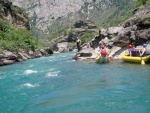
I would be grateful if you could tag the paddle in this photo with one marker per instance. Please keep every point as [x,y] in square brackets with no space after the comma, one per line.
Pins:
[97,59]
[109,59]
[142,61]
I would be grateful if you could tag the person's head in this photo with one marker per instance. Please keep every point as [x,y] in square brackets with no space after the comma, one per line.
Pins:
[102,46]
[77,38]
[130,46]
[144,45]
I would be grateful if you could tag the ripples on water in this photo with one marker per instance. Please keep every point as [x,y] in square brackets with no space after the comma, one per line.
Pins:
[58,84]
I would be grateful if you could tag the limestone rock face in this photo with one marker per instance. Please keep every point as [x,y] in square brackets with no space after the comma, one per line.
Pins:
[14,15]
[45,15]
[44,12]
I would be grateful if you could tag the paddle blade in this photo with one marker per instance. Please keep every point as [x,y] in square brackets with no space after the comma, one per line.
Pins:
[108,59]
[142,62]
[97,59]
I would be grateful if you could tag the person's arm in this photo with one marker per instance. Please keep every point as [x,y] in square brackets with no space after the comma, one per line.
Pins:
[143,52]
[130,53]
[80,42]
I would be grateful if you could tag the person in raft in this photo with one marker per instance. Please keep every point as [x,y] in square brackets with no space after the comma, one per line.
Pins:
[103,54]
[145,51]
[103,51]
[132,50]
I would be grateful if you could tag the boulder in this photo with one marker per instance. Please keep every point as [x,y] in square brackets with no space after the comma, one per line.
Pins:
[1,56]
[145,34]
[40,53]
[104,41]
[79,24]
[87,53]
[22,56]
[9,55]
[114,30]
[49,51]
[8,62]
[91,26]
[63,47]
[103,32]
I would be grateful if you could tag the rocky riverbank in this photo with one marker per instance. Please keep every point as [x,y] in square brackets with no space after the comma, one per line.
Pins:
[8,57]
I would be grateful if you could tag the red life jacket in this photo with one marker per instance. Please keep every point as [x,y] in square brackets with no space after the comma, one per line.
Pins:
[103,53]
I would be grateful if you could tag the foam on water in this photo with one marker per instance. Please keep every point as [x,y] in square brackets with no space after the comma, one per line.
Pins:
[71,61]
[47,70]
[52,60]
[27,72]
[31,85]
[52,74]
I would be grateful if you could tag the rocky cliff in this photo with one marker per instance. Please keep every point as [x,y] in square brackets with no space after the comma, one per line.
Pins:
[14,36]
[16,16]
[83,29]
[116,39]
[49,16]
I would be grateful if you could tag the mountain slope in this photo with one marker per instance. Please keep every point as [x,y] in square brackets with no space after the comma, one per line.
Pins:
[49,16]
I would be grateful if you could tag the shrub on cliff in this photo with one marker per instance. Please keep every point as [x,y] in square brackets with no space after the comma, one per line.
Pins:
[13,39]
[143,2]
[86,37]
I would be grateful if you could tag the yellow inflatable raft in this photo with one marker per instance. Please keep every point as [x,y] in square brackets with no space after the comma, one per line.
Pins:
[137,59]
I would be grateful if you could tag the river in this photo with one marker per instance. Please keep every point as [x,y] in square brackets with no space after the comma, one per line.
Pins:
[58,84]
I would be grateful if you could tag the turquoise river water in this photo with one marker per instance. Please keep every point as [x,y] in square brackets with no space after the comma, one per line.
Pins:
[58,84]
